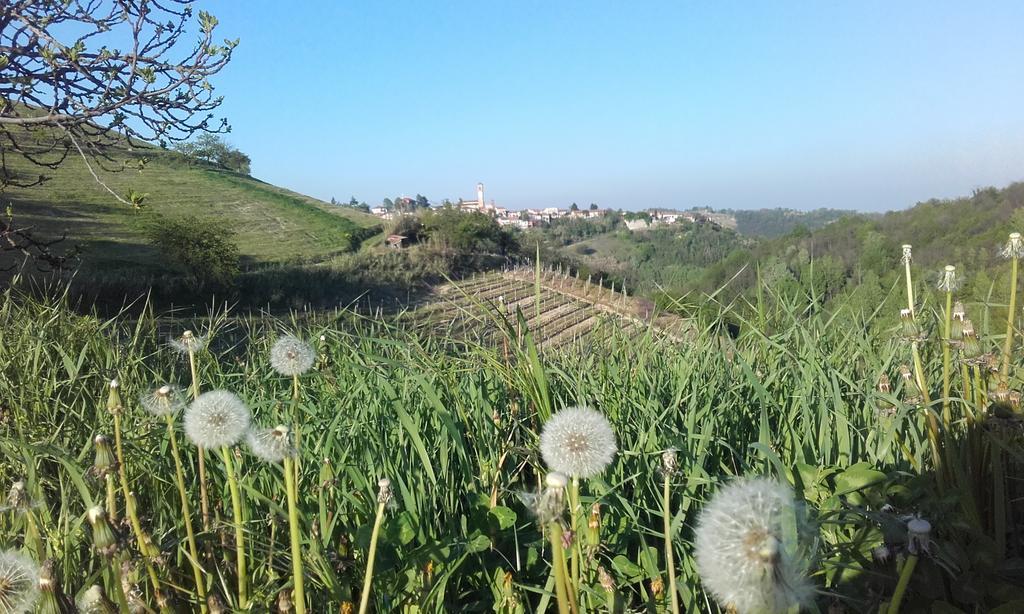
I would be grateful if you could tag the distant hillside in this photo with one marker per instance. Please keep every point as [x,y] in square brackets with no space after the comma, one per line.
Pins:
[272,224]
[771,223]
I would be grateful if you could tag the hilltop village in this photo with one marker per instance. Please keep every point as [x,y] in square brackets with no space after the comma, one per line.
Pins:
[534,217]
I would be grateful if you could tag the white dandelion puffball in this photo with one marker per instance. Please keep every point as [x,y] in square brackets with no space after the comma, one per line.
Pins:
[271,445]
[93,601]
[739,548]
[291,356]
[577,441]
[216,419]
[19,583]
[189,343]
[1014,248]
[164,401]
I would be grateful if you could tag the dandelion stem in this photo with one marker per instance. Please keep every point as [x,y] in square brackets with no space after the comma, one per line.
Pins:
[670,563]
[111,497]
[145,547]
[236,510]
[186,515]
[558,566]
[574,514]
[946,360]
[293,526]
[364,599]
[1004,369]
[901,585]
[204,504]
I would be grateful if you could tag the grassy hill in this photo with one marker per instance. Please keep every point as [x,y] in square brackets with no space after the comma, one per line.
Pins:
[272,224]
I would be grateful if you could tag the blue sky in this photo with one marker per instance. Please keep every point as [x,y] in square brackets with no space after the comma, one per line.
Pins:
[866,105]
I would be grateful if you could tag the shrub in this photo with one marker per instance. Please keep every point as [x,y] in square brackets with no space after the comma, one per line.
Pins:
[205,253]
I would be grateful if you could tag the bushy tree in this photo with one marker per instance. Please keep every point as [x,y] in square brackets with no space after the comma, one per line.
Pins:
[206,253]
[213,149]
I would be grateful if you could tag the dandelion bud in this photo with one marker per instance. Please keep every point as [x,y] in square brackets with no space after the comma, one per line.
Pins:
[948,280]
[883,384]
[284,602]
[911,391]
[105,462]
[48,589]
[17,498]
[1000,405]
[384,493]
[881,554]
[1015,400]
[918,535]
[19,582]
[670,462]
[568,537]
[909,328]
[1014,248]
[216,604]
[291,356]
[605,579]
[907,257]
[93,601]
[739,548]
[657,587]
[114,405]
[956,325]
[970,345]
[102,533]
[594,526]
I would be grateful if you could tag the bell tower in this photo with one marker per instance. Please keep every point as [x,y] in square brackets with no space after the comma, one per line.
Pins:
[480,194]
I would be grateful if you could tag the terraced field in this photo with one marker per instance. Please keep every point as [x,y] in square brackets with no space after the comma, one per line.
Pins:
[566,312]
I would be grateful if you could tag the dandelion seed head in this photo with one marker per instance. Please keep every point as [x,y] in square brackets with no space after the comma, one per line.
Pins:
[949,281]
[1014,248]
[271,445]
[166,400]
[19,583]
[291,356]
[907,256]
[739,548]
[189,343]
[385,495]
[578,441]
[18,500]
[216,419]
[918,535]
[556,479]
[93,601]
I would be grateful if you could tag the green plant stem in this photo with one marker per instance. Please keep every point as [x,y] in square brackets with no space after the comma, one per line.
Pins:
[574,514]
[129,507]
[933,424]
[293,527]
[364,599]
[186,515]
[204,504]
[670,563]
[296,425]
[965,375]
[910,288]
[33,534]
[236,510]
[111,498]
[946,361]
[558,567]
[901,585]
[979,391]
[1004,368]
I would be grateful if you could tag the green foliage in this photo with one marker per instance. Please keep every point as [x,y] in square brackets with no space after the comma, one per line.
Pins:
[455,429]
[205,252]
[771,223]
[467,232]
[213,149]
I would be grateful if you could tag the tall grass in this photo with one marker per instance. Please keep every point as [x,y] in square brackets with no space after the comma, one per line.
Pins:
[456,433]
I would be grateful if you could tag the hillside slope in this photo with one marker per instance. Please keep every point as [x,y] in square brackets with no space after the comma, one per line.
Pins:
[272,224]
